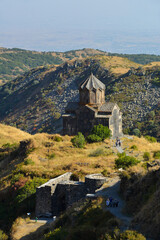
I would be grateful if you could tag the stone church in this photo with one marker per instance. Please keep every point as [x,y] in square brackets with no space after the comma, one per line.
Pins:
[92,110]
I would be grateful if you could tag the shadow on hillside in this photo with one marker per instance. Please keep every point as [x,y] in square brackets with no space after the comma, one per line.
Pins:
[109,191]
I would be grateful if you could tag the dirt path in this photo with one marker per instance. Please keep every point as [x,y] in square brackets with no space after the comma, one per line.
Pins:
[113,191]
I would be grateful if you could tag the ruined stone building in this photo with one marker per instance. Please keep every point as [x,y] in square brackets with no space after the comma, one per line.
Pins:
[59,193]
[92,110]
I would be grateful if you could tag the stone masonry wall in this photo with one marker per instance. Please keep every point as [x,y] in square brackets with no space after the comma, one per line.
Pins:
[66,194]
[93,182]
[44,193]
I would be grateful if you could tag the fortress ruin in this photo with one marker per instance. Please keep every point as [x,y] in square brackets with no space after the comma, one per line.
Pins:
[59,193]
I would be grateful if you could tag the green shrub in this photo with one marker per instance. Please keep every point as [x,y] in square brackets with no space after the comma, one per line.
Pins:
[150,139]
[58,139]
[78,141]
[28,162]
[156,81]
[56,234]
[136,132]
[93,138]
[127,235]
[131,235]
[10,146]
[74,177]
[51,156]
[97,152]
[156,154]
[3,236]
[29,188]
[15,178]
[125,161]
[102,131]
[105,172]
[146,156]
[134,147]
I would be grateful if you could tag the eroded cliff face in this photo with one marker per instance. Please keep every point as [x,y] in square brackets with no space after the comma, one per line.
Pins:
[142,194]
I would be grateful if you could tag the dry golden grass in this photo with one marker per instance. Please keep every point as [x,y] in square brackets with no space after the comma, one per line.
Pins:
[117,65]
[152,64]
[23,227]
[67,157]
[142,144]
[11,135]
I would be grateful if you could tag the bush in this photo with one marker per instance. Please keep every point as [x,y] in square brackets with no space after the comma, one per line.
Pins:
[29,188]
[97,152]
[28,162]
[136,132]
[78,141]
[146,156]
[105,172]
[3,236]
[93,138]
[57,234]
[134,147]
[150,139]
[58,139]
[16,177]
[131,235]
[102,131]
[156,154]
[51,156]
[125,161]
[74,177]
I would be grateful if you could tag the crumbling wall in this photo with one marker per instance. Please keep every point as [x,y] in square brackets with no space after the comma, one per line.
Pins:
[66,194]
[94,182]
[59,193]
[44,195]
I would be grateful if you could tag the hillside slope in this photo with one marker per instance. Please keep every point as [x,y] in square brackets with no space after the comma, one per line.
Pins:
[11,135]
[35,101]
[142,192]
[40,157]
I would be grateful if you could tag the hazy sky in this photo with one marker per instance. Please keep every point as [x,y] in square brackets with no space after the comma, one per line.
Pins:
[111,25]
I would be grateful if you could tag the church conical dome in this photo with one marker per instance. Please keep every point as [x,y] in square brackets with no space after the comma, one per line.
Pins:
[92,91]
[92,83]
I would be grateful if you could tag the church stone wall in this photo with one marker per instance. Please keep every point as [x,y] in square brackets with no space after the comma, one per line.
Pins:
[85,120]
[115,123]
[69,125]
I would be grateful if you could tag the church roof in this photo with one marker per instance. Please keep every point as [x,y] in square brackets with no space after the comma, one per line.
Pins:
[108,106]
[92,82]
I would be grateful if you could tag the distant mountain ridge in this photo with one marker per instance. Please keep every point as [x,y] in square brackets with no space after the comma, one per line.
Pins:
[15,61]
